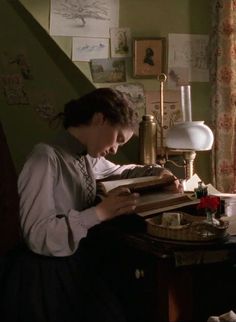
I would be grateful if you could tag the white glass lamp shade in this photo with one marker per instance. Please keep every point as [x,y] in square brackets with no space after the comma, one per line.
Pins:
[193,135]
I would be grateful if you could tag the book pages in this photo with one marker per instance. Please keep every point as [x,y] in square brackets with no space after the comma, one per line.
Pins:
[158,210]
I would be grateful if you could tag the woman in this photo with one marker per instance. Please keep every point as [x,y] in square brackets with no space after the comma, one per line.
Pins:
[58,207]
[57,185]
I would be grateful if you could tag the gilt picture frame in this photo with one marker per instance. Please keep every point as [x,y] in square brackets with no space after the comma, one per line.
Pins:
[148,57]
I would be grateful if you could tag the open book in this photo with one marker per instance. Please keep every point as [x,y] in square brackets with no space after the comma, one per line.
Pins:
[140,184]
[152,197]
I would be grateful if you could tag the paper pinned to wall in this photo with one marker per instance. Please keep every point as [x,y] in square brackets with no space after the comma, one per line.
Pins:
[187,59]
[121,42]
[112,70]
[85,49]
[172,109]
[135,93]
[85,18]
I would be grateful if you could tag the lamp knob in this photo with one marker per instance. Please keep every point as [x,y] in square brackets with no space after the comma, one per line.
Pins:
[162,77]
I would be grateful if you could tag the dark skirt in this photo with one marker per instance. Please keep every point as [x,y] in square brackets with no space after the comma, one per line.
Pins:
[91,285]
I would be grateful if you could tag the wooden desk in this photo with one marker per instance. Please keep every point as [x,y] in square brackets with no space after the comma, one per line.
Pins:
[182,283]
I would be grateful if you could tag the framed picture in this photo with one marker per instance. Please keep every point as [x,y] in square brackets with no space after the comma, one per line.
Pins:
[148,57]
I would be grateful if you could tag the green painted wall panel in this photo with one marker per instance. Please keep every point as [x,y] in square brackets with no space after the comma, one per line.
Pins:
[53,75]
[24,28]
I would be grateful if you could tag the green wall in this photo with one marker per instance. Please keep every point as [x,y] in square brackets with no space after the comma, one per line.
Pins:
[24,29]
[52,74]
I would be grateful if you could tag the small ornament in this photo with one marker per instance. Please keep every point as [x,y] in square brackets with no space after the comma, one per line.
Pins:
[201,190]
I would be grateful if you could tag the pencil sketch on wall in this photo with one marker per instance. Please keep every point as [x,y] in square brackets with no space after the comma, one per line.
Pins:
[172,110]
[120,42]
[84,49]
[83,18]
[188,58]
[135,93]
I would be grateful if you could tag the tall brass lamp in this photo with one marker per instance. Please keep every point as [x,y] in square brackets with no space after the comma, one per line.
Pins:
[185,137]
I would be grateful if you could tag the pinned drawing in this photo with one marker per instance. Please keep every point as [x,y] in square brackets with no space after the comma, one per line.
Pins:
[120,42]
[172,109]
[108,70]
[135,93]
[188,59]
[85,49]
[83,18]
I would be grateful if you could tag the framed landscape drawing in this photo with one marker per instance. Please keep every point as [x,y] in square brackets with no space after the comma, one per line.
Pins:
[148,57]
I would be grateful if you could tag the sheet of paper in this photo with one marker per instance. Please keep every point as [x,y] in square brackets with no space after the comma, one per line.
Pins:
[85,49]
[213,191]
[84,18]
[187,58]
[172,108]
[192,183]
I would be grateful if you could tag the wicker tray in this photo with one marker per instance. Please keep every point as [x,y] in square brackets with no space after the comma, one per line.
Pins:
[192,228]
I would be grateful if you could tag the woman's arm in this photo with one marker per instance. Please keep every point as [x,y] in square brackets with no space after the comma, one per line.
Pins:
[107,170]
[50,223]
[104,168]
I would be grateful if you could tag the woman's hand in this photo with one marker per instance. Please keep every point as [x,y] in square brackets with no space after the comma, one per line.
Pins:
[175,186]
[119,201]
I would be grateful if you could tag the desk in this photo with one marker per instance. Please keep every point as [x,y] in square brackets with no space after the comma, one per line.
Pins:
[179,282]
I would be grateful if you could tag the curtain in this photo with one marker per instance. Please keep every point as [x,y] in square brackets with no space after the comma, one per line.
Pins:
[223,96]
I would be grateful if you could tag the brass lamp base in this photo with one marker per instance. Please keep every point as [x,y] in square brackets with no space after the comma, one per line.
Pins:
[189,157]
[188,160]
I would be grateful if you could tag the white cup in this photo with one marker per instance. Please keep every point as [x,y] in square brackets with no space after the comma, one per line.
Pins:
[230,207]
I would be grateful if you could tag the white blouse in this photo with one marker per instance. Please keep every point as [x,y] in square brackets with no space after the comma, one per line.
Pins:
[54,211]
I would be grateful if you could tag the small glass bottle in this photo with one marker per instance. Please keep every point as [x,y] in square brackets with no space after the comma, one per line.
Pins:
[148,140]
[201,190]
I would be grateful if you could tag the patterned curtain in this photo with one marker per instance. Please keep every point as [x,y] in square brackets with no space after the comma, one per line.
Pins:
[223,103]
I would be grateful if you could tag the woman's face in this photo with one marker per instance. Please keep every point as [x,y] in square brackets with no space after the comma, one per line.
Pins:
[106,138]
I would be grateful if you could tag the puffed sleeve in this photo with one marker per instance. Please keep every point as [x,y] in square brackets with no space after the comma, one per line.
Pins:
[47,229]
[104,168]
